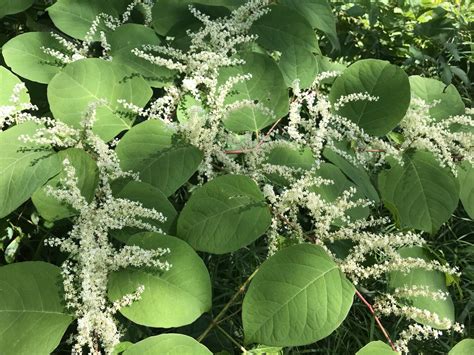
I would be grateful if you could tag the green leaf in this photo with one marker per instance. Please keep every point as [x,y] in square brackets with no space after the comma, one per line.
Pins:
[421,194]
[430,90]
[168,344]
[376,348]
[319,14]
[33,317]
[147,150]
[380,79]
[171,298]
[331,192]
[10,7]
[224,215]
[290,157]
[356,173]
[23,54]
[432,280]
[298,296]
[168,13]
[86,81]
[298,63]
[464,347]
[87,175]
[130,36]
[466,182]
[23,167]
[266,87]
[282,28]
[149,197]
[75,18]
[8,82]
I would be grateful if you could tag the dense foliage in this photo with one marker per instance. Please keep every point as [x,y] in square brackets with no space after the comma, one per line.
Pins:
[236,176]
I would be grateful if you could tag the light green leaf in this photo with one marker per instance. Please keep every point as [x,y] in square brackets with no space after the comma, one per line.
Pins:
[356,173]
[432,280]
[86,81]
[466,182]
[33,318]
[266,86]
[380,79]
[319,14]
[331,192]
[8,82]
[430,90]
[171,298]
[168,344]
[282,28]
[224,215]
[23,54]
[149,197]
[293,158]
[75,17]
[420,194]
[147,150]
[10,7]
[23,167]
[464,347]
[130,36]
[87,175]
[298,296]
[298,63]
[376,348]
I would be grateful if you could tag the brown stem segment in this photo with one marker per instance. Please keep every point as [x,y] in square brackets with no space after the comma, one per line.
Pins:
[377,320]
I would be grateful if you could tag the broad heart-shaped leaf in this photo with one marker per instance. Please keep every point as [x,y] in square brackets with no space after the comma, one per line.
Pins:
[466,182]
[147,149]
[23,167]
[266,86]
[380,79]
[33,318]
[283,28]
[75,17]
[420,194]
[87,175]
[129,36]
[168,13]
[319,14]
[301,159]
[376,348]
[332,192]
[149,197]
[224,215]
[10,7]
[429,90]
[86,81]
[23,54]
[8,81]
[168,344]
[356,173]
[298,62]
[171,298]
[298,296]
[433,280]
[464,347]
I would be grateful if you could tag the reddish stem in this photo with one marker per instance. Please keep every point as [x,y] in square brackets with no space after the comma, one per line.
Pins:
[241,151]
[377,320]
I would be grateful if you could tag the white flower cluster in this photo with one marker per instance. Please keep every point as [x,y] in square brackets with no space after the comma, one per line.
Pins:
[449,140]
[14,112]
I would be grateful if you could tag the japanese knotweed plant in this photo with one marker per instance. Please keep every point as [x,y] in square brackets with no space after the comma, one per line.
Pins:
[214,127]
